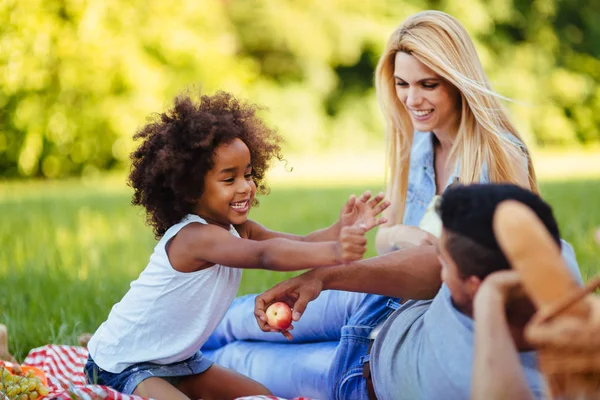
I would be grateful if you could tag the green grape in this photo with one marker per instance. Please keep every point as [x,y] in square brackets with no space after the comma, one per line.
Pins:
[17,387]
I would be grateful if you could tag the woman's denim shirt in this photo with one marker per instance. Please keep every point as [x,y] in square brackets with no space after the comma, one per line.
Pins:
[421,178]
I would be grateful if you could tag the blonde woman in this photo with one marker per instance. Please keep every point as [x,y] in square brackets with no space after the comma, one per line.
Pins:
[443,123]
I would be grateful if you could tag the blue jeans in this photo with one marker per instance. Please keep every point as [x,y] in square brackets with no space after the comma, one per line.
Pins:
[326,356]
[127,380]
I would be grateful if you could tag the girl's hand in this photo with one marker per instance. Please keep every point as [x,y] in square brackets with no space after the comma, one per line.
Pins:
[352,244]
[363,210]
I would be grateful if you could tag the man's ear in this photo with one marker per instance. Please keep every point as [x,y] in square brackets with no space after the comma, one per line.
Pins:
[472,284]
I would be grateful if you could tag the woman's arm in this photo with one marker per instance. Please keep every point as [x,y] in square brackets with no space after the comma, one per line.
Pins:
[383,240]
[401,237]
[392,237]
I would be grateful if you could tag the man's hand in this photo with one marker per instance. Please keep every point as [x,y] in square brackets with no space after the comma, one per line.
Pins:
[502,284]
[363,211]
[296,292]
[505,288]
[497,372]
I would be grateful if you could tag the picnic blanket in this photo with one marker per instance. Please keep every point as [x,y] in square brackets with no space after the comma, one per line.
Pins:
[63,366]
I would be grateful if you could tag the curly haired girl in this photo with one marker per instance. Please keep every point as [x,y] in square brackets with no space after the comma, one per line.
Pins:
[196,173]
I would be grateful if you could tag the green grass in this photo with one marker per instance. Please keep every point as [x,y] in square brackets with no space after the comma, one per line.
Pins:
[69,251]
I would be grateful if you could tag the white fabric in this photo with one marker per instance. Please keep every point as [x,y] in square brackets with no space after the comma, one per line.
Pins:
[431,221]
[167,315]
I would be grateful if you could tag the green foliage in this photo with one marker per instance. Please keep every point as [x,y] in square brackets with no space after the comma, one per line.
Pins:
[70,251]
[77,78]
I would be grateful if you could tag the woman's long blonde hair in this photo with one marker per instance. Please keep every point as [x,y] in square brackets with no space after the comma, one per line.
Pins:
[440,42]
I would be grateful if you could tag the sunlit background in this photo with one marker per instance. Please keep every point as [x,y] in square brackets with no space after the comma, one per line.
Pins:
[78,78]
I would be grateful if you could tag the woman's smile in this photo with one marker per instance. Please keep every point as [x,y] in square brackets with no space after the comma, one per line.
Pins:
[421,115]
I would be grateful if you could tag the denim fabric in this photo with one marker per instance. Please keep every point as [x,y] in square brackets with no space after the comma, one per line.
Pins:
[345,377]
[322,362]
[320,322]
[334,328]
[334,316]
[239,344]
[127,380]
[287,369]
[421,178]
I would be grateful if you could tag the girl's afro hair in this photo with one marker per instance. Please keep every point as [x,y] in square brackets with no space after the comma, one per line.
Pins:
[168,168]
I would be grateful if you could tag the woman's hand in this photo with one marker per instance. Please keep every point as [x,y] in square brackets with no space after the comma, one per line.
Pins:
[363,211]
[296,292]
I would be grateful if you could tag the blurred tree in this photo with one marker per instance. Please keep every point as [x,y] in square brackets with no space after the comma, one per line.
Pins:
[78,77]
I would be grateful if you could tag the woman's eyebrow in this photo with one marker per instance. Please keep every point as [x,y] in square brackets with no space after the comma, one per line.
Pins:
[433,78]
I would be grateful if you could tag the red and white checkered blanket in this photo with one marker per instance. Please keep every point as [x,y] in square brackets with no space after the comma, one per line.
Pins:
[63,366]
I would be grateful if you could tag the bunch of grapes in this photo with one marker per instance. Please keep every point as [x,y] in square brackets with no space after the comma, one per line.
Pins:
[17,387]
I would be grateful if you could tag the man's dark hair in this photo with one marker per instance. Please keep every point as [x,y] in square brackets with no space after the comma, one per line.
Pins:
[467,213]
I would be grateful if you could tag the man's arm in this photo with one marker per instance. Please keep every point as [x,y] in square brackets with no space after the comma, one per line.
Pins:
[410,274]
[497,371]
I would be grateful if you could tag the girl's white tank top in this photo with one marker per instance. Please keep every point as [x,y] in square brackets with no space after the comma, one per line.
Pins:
[167,315]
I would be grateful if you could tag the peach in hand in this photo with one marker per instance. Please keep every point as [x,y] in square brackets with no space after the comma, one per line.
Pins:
[279,315]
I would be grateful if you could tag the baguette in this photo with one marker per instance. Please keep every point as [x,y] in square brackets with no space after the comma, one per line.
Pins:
[532,252]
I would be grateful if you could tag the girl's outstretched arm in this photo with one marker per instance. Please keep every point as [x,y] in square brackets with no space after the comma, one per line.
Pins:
[198,246]
[363,209]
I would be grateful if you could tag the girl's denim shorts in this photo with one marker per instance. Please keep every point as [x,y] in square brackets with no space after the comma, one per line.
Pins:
[127,380]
